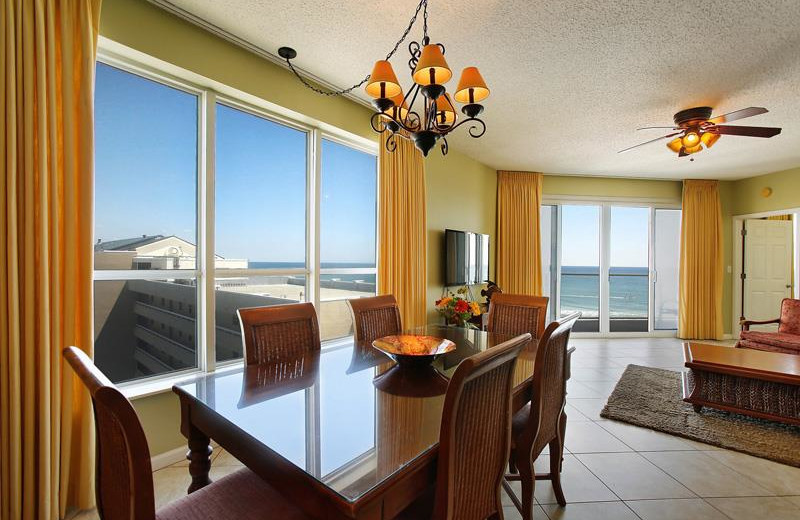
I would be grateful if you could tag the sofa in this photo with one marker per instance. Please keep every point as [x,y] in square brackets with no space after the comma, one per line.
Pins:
[785,340]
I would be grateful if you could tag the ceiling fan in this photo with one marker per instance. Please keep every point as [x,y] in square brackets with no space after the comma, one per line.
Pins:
[697,129]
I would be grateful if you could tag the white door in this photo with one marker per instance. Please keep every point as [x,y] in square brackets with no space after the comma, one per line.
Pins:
[767,268]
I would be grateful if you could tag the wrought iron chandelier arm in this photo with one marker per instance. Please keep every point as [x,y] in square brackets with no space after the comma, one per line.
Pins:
[480,123]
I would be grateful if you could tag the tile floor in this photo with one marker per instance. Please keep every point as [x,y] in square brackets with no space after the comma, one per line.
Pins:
[616,471]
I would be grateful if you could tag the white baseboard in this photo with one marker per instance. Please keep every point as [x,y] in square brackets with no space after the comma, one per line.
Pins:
[162,460]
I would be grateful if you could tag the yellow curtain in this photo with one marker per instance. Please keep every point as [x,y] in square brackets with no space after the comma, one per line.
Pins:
[701,274]
[402,268]
[46,135]
[519,257]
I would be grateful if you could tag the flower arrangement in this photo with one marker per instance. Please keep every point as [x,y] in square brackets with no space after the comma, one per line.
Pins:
[456,309]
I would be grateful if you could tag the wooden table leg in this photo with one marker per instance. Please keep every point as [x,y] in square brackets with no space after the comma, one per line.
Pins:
[199,456]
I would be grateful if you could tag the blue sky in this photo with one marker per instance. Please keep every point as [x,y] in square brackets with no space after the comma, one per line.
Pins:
[580,227]
[146,157]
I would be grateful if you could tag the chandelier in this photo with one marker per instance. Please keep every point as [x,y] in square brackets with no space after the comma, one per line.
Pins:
[426,113]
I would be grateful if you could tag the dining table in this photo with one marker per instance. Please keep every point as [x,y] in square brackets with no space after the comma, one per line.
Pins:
[344,432]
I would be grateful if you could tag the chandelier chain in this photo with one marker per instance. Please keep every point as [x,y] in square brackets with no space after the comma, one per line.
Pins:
[422,3]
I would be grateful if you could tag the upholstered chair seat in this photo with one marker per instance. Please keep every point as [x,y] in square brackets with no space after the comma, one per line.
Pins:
[242,495]
[786,340]
[770,341]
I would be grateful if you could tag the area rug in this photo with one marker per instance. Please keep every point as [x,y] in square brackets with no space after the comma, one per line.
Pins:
[652,398]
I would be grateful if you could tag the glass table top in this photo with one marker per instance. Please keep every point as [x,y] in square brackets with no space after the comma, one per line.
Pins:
[347,416]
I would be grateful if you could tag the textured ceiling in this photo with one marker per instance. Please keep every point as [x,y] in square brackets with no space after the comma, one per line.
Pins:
[571,80]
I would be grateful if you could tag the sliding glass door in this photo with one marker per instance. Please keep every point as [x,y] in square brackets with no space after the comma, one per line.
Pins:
[616,264]
[666,261]
[629,269]
[580,265]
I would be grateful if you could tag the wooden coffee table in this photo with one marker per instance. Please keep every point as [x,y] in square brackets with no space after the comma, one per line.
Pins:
[752,382]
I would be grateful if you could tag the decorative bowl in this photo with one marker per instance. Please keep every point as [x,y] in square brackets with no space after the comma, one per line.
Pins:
[411,349]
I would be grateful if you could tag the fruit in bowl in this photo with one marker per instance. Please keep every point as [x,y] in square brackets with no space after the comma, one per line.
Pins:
[411,349]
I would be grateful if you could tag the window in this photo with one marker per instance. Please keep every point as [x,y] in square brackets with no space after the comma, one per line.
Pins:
[666,262]
[145,220]
[580,265]
[348,214]
[629,269]
[548,230]
[289,209]
[616,264]
[260,211]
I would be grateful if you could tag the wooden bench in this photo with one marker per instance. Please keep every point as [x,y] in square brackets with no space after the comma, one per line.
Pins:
[751,382]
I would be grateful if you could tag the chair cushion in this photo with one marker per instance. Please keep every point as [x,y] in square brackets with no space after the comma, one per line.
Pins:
[770,341]
[790,316]
[242,495]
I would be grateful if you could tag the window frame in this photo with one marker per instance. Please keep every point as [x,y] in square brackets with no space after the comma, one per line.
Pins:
[208,94]
[605,204]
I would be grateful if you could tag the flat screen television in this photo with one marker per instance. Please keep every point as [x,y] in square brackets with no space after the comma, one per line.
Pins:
[466,257]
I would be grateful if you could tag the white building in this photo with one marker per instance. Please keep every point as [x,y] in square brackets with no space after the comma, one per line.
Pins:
[154,252]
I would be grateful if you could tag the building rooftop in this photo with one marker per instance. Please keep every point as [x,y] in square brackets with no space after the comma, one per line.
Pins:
[127,244]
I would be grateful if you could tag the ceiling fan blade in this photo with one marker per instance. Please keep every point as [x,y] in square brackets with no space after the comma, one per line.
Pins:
[738,114]
[748,131]
[661,127]
[650,141]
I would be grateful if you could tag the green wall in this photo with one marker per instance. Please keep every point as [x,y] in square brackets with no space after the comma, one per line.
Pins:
[573,185]
[462,194]
[743,197]
[785,186]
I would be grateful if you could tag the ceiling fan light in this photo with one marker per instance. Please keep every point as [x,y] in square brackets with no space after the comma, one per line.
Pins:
[432,68]
[675,145]
[383,81]
[445,111]
[709,139]
[471,86]
[690,139]
[693,149]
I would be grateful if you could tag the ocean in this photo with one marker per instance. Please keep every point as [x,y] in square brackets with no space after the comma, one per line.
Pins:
[369,278]
[580,286]
[628,291]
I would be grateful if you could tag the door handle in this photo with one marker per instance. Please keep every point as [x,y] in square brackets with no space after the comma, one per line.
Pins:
[788,286]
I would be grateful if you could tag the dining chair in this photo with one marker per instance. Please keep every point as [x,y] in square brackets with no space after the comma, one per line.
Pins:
[375,317]
[278,331]
[124,477]
[542,422]
[474,438]
[517,314]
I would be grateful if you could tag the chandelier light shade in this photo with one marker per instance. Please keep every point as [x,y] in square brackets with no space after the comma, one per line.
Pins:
[445,111]
[399,108]
[383,81]
[432,68]
[427,113]
[471,86]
